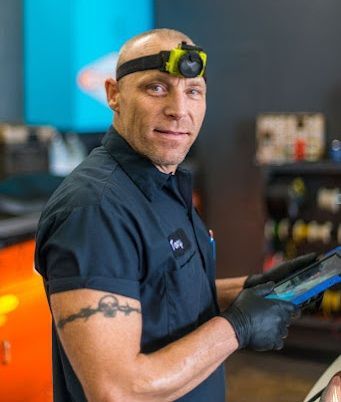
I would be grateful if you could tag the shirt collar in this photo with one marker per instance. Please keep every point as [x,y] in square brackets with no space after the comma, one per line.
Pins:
[140,169]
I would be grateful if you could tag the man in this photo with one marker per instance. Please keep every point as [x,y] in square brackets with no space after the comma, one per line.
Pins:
[127,263]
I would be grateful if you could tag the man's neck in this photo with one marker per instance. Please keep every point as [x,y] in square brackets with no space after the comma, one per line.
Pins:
[168,169]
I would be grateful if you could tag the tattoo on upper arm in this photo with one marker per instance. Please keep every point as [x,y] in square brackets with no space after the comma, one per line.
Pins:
[108,305]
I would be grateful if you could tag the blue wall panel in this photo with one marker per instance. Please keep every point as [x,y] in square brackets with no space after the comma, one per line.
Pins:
[61,38]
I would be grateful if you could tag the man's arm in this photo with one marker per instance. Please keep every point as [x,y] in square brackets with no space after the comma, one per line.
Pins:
[228,289]
[101,335]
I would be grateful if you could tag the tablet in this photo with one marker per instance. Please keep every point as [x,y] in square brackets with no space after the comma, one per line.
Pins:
[311,281]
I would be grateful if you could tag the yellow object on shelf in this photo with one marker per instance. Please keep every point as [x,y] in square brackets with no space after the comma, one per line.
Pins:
[331,302]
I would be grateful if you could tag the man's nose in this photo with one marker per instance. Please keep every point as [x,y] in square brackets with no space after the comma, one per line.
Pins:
[176,105]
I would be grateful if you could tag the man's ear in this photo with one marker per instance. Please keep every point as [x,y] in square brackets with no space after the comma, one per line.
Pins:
[113,94]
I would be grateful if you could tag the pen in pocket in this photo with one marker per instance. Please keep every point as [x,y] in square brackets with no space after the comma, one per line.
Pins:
[213,245]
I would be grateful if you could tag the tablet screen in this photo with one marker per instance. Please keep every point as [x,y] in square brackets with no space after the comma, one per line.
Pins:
[311,281]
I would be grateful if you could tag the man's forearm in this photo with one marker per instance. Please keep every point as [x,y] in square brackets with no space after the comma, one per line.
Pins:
[176,369]
[105,350]
[107,357]
[228,289]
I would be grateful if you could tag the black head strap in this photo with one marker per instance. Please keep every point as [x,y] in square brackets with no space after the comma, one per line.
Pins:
[155,61]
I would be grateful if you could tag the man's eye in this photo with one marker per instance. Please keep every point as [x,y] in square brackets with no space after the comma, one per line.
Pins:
[194,92]
[157,89]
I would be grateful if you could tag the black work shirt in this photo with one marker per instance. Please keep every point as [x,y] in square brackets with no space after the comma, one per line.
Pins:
[117,224]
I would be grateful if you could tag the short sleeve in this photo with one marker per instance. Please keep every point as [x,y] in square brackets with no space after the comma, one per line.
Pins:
[89,247]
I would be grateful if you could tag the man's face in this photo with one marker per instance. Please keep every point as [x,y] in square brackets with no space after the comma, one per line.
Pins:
[160,115]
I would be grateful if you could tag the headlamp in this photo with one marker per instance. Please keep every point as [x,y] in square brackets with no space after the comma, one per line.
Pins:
[185,60]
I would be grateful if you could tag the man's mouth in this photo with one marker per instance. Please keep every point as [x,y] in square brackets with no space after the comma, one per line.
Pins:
[171,132]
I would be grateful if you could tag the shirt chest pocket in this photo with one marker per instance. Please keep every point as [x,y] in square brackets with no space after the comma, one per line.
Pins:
[183,282]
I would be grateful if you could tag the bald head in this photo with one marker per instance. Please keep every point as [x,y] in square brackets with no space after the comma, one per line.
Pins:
[151,42]
[157,113]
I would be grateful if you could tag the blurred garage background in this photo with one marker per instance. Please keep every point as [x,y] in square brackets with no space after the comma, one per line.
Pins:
[267,165]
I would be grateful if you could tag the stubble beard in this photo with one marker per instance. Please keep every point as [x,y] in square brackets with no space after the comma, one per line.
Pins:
[155,152]
[152,153]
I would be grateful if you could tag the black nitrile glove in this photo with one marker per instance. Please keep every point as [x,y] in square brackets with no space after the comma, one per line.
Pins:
[259,323]
[280,272]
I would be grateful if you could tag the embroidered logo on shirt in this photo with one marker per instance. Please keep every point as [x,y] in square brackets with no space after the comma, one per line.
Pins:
[179,242]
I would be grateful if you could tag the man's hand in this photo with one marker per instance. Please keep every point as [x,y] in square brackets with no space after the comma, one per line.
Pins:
[259,323]
[280,272]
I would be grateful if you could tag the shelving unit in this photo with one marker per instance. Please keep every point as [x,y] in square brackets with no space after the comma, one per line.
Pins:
[323,167]
[283,205]
[280,202]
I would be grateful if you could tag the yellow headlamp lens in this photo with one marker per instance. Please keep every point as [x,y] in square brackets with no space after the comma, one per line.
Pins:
[186,63]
